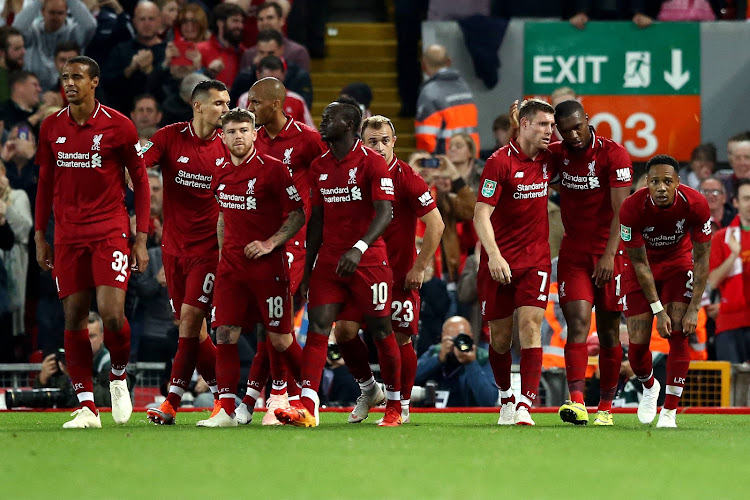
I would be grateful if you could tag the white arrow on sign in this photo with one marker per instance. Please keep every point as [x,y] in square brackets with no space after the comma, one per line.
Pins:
[676,78]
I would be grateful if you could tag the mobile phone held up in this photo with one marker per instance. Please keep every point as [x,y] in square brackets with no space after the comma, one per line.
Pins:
[431,162]
[23,133]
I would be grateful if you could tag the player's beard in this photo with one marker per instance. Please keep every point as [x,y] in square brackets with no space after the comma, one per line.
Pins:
[240,151]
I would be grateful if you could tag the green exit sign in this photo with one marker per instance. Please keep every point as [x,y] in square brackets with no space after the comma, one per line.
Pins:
[612,58]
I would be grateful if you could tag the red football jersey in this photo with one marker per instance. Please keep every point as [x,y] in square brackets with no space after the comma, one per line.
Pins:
[346,189]
[586,178]
[413,200]
[254,197]
[664,231]
[296,146]
[188,164]
[81,174]
[516,186]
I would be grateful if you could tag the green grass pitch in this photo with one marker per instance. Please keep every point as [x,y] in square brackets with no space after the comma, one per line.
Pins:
[461,456]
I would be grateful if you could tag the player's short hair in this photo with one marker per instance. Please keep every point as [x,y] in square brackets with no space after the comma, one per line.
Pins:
[5,33]
[67,46]
[738,184]
[568,108]
[530,107]
[95,318]
[93,67]
[155,174]
[663,160]
[562,91]
[350,109]
[469,140]
[271,5]
[741,137]
[238,115]
[502,122]
[202,90]
[272,63]
[19,76]
[705,151]
[375,122]
[270,35]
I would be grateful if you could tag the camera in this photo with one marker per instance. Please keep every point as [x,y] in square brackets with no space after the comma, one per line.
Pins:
[430,163]
[334,353]
[60,356]
[36,398]
[463,342]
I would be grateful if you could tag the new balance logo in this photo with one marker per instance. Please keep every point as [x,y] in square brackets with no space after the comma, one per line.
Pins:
[221,187]
[380,307]
[183,159]
[689,294]
[356,194]
[120,278]
[403,324]
[323,177]
[648,229]
[425,199]
[203,299]
[623,174]
[542,297]
[219,161]
[274,323]
[519,175]
[61,140]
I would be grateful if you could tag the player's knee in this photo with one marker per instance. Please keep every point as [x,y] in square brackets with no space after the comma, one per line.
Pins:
[501,346]
[345,331]
[578,329]
[223,335]
[280,342]
[113,321]
[402,338]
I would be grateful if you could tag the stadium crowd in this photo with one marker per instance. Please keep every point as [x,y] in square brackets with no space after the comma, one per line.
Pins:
[172,62]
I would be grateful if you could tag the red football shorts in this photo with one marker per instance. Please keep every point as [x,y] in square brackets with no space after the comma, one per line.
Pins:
[574,271]
[295,254]
[528,287]
[404,311]
[82,266]
[244,302]
[677,287]
[368,290]
[190,280]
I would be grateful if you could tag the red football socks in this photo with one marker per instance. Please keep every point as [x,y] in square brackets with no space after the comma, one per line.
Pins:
[640,361]
[531,373]
[576,361]
[408,369]
[313,361]
[292,356]
[227,375]
[182,369]
[356,357]
[80,360]
[678,363]
[610,359]
[206,362]
[258,376]
[501,364]
[278,370]
[118,344]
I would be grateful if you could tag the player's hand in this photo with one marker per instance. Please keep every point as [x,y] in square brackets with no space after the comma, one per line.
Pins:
[604,270]
[690,321]
[499,269]
[258,249]
[515,123]
[44,255]
[414,279]
[348,262]
[467,357]
[161,277]
[304,286]
[139,254]
[663,325]
[642,20]
[579,20]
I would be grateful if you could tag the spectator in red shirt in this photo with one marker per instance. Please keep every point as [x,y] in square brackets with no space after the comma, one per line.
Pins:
[221,53]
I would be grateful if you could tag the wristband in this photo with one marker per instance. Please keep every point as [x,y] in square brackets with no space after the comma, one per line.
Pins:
[656,307]
[361,246]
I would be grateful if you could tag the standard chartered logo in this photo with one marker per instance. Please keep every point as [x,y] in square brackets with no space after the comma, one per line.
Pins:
[96,160]
[356,193]
[252,203]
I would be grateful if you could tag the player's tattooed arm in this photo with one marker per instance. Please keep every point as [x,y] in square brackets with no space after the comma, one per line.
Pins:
[294,221]
[220,231]
[701,253]
[643,273]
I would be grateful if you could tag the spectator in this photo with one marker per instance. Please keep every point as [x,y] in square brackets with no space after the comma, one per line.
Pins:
[16,260]
[222,52]
[466,374]
[182,56]
[501,132]
[18,153]
[54,371]
[7,240]
[362,93]
[271,43]
[146,112]
[43,34]
[294,104]
[192,24]
[738,154]
[462,151]
[729,271]
[169,10]
[178,108]
[11,57]
[25,96]
[112,27]
[716,196]
[337,385]
[127,70]
[270,17]
[686,10]
[639,11]
[445,104]
[702,165]
[64,51]
[561,94]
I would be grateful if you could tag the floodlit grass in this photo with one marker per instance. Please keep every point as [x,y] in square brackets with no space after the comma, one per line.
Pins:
[460,456]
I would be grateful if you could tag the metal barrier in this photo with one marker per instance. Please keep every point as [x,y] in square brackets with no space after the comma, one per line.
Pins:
[708,384]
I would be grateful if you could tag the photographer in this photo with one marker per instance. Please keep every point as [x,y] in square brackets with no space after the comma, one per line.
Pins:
[54,375]
[458,366]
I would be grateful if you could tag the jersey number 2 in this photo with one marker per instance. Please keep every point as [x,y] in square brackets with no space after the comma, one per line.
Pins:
[120,265]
